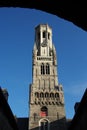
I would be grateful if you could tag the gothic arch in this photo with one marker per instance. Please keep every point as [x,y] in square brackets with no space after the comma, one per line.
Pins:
[56,95]
[44,119]
[46,123]
[36,94]
[47,68]
[46,95]
[41,95]
[52,95]
[42,69]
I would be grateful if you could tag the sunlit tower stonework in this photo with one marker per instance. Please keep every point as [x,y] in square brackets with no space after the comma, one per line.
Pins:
[46,102]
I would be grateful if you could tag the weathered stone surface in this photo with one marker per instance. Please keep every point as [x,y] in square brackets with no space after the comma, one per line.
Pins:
[46,95]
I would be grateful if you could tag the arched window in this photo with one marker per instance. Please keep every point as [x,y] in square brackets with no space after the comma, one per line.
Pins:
[52,95]
[42,95]
[37,94]
[56,95]
[44,34]
[44,111]
[44,124]
[47,69]
[42,69]
[46,95]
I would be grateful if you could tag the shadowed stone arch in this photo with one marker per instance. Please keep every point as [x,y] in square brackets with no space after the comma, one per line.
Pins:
[44,119]
[75,13]
[42,122]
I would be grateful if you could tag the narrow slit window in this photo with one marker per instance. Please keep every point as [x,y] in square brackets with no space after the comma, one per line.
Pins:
[48,35]
[47,69]
[44,34]
[42,69]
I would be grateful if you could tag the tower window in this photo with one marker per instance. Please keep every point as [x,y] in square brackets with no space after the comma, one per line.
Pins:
[44,111]
[48,35]
[37,94]
[44,34]
[57,88]
[42,69]
[47,69]
[56,95]
[42,95]
[52,95]
[46,95]
[44,124]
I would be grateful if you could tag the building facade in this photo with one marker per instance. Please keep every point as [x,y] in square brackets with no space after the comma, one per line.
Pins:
[46,102]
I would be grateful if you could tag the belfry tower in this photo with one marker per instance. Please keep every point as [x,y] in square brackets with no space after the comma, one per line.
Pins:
[46,103]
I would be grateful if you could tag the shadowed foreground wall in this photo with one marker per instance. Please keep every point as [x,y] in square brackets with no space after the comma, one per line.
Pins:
[79,121]
[4,124]
[7,119]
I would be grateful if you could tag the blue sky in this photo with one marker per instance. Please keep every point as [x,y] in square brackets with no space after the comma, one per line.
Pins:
[17,31]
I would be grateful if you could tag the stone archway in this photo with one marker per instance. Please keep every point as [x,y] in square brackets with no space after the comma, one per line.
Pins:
[44,124]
